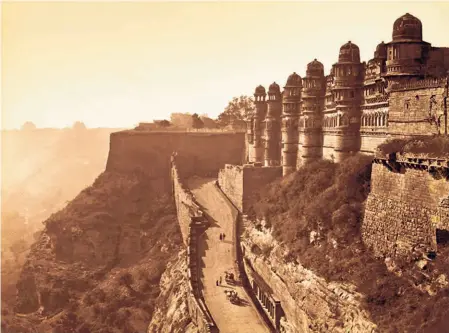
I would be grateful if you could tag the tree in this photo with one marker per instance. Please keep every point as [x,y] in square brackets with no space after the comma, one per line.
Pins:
[196,121]
[164,123]
[236,111]
[28,126]
[79,126]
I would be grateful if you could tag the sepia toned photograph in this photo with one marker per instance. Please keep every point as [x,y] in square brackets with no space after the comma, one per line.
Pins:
[224,167]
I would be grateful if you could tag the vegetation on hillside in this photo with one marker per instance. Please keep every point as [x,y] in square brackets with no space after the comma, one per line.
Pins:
[98,263]
[316,214]
[433,146]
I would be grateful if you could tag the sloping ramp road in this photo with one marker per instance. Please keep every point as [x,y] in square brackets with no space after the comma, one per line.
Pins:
[218,257]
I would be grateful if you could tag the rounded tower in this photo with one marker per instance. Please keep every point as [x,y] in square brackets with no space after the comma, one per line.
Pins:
[407,53]
[291,104]
[258,119]
[273,126]
[347,91]
[314,89]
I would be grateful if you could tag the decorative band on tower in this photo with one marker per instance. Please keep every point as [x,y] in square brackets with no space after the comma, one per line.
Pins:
[347,91]
[314,89]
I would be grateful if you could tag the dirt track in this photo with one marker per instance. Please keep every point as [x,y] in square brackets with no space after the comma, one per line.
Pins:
[218,257]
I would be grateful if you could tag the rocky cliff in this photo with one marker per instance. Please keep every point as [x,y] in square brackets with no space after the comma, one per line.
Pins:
[171,314]
[98,263]
[311,304]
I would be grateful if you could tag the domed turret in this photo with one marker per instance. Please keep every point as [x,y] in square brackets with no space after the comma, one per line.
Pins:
[381,51]
[274,88]
[407,27]
[294,80]
[349,52]
[315,68]
[260,90]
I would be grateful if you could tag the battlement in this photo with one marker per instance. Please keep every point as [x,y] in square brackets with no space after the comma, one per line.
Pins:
[396,161]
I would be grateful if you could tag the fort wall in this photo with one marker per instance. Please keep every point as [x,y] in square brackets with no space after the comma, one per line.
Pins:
[415,108]
[329,143]
[371,140]
[201,153]
[192,222]
[239,183]
[407,206]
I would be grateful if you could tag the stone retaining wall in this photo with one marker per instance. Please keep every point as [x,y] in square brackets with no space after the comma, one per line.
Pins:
[239,183]
[192,222]
[407,204]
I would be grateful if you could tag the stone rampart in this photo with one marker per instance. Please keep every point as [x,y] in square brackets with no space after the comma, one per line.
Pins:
[370,140]
[239,183]
[406,208]
[192,222]
[199,153]
[417,112]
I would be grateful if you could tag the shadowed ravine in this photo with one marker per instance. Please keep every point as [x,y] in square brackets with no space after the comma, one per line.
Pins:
[218,257]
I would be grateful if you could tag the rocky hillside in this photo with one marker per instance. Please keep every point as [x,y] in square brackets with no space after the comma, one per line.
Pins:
[97,265]
[315,215]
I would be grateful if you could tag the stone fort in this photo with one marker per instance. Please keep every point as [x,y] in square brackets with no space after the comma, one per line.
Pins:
[401,92]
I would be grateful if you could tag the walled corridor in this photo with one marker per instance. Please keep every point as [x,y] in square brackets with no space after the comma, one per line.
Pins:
[218,257]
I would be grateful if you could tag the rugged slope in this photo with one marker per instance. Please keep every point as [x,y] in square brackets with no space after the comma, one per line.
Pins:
[171,314]
[315,216]
[97,265]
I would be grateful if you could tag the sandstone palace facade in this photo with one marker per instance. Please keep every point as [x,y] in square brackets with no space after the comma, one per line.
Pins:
[401,92]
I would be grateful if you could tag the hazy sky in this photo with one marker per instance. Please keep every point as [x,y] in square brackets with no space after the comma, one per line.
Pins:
[115,64]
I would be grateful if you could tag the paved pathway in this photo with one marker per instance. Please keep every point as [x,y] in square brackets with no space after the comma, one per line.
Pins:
[218,257]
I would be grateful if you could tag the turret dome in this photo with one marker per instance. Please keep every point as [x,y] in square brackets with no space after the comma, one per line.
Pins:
[381,51]
[349,52]
[315,68]
[274,88]
[294,80]
[407,27]
[260,90]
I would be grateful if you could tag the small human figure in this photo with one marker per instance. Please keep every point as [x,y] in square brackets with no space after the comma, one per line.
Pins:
[224,236]
[216,282]
[220,279]
[221,236]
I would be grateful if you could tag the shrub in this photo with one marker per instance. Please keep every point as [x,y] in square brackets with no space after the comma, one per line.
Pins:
[433,146]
